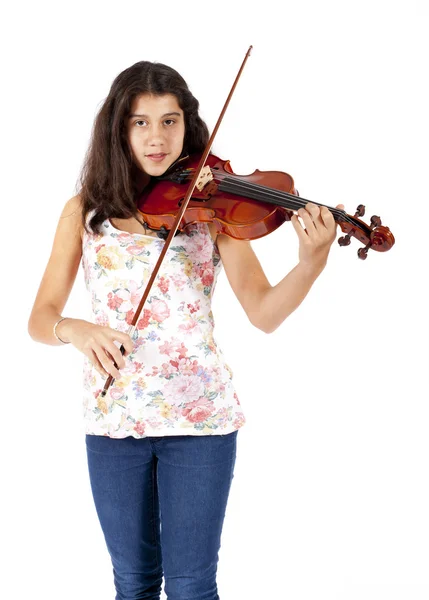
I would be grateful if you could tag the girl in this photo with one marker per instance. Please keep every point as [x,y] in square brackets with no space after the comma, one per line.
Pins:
[161,445]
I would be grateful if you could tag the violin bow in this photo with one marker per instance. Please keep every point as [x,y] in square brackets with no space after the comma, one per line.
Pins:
[199,180]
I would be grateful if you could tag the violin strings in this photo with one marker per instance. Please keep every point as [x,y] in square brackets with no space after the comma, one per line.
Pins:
[247,185]
[293,202]
[270,194]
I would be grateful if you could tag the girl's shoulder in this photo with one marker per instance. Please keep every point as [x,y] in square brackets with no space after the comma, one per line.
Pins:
[72,206]
[72,214]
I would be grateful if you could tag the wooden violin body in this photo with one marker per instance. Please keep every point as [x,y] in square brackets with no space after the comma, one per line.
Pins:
[235,215]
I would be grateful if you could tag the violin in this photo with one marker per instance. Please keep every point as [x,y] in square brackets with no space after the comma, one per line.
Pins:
[245,207]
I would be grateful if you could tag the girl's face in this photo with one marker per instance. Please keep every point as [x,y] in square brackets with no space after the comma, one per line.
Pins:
[156,130]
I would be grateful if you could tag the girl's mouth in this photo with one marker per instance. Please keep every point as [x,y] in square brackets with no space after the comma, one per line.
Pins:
[156,157]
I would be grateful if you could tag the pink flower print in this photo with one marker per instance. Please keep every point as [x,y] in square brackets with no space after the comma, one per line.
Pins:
[131,368]
[160,310]
[138,343]
[154,373]
[179,347]
[136,250]
[174,345]
[198,411]
[97,248]
[189,327]
[179,282]
[113,301]
[102,319]
[215,372]
[144,321]
[199,248]
[116,393]
[236,398]
[175,413]
[182,350]
[139,427]
[153,423]
[222,417]
[125,238]
[194,307]
[163,284]
[239,420]
[168,369]
[207,274]
[167,348]
[130,296]
[186,367]
[183,388]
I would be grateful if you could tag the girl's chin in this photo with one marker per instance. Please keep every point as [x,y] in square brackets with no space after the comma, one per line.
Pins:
[151,168]
[158,168]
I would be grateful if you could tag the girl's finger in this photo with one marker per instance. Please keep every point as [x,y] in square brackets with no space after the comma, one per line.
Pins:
[308,221]
[302,235]
[327,218]
[96,363]
[109,364]
[106,361]
[125,340]
[314,211]
[114,352]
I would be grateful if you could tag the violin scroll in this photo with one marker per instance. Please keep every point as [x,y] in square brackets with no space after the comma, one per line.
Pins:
[374,236]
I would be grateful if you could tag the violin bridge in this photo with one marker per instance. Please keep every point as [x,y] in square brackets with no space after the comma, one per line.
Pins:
[205,176]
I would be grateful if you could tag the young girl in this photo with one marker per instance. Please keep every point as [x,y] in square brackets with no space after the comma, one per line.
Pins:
[161,445]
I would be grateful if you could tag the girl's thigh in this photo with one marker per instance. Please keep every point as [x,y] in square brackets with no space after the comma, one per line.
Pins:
[194,480]
[123,477]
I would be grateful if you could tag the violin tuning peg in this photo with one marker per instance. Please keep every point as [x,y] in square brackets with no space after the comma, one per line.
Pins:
[345,240]
[363,252]
[375,222]
[360,211]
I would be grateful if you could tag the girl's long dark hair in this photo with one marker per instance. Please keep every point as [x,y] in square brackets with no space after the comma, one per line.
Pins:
[108,176]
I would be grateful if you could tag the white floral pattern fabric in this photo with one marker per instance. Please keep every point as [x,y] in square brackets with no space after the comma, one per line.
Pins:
[176,380]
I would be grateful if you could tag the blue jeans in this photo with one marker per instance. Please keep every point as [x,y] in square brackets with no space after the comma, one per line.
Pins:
[161,504]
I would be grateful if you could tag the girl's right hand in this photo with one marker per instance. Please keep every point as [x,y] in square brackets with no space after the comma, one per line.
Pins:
[98,344]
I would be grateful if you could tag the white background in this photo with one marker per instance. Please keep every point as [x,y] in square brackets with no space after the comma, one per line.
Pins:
[330,495]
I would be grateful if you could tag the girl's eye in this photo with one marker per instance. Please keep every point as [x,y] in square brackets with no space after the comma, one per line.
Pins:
[168,122]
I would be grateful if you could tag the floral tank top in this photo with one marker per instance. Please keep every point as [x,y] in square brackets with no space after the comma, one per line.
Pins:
[176,380]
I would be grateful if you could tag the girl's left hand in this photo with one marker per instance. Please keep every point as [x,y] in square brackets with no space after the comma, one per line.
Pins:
[316,238]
